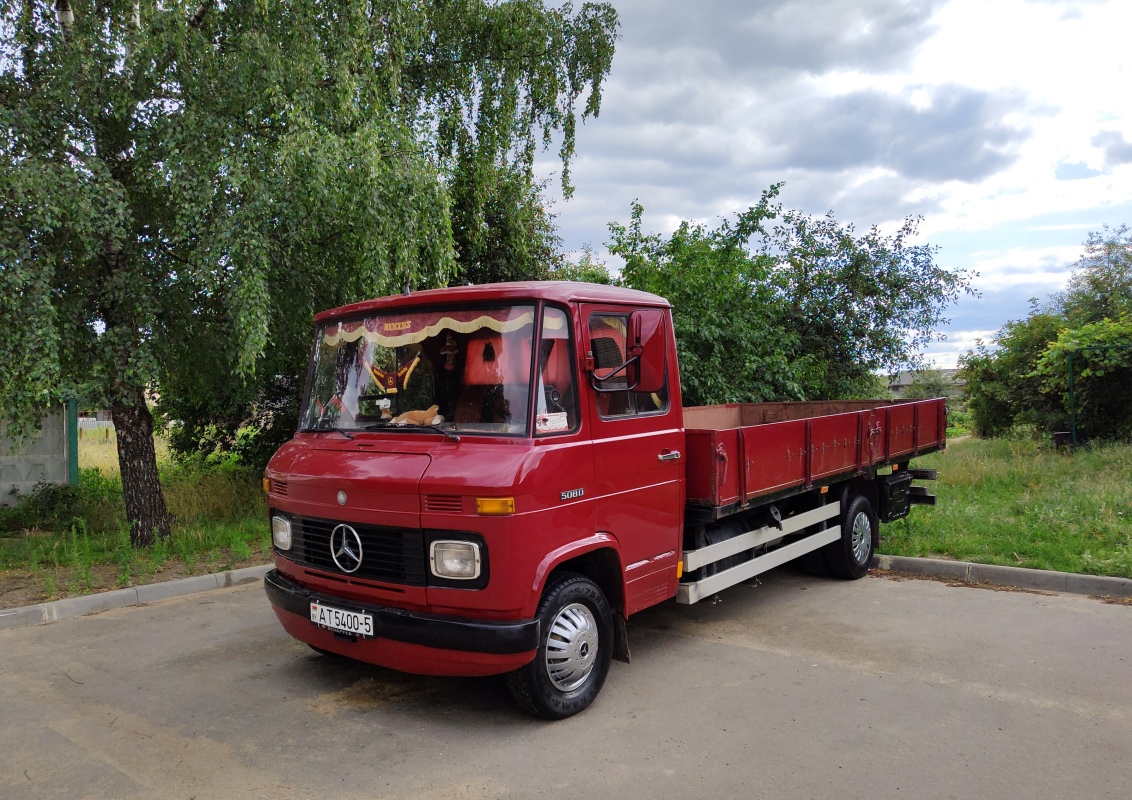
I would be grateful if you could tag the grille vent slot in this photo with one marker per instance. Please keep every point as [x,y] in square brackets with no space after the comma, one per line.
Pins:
[279,487]
[444,503]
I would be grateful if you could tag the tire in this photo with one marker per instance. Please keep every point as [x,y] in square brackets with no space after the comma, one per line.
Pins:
[849,556]
[574,652]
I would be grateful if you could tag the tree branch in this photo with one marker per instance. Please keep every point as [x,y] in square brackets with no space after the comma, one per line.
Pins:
[65,15]
[78,154]
[518,58]
[197,19]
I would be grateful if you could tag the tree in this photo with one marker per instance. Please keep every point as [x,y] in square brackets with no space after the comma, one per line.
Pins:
[1002,386]
[725,309]
[1023,378]
[859,304]
[589,268]
[507,234]
[1101,285]
[928,383]
[184,184]
[1102,376]
[777,305]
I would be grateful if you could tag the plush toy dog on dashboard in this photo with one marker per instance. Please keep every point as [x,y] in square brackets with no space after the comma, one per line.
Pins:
[426,417]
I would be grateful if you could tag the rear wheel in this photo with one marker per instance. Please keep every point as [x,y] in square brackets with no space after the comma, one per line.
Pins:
[849,556]
[574,652]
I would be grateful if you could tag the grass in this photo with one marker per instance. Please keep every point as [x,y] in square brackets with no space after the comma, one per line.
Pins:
[1015,502]
[79,541]
[1018,502]
[98,449]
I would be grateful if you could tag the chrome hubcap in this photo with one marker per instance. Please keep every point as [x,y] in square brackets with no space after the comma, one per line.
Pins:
[862,537]
[571,647]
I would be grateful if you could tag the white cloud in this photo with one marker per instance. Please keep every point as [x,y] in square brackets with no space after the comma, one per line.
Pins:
[1042,269]
[1067,226]
[945,355]
[1004,122]
[1116,150]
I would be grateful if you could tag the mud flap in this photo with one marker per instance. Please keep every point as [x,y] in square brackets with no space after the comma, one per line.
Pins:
[620,639]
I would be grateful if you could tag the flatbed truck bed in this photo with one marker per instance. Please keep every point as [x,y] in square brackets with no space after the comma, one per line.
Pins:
[778,462]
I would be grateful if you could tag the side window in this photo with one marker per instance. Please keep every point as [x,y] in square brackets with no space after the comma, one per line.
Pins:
[556,402]
[607,343]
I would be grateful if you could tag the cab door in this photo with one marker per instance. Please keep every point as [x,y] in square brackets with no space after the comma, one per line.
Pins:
[638,446]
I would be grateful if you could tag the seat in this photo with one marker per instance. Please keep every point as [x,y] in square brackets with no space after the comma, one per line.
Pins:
[496,374]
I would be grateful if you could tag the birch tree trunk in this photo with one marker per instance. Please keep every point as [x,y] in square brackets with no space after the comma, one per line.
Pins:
[137,459]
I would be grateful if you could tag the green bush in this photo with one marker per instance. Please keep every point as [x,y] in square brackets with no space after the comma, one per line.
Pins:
[1002,387]
[1102,376]
[197,489]
[50,506]
[101,504]
[959,421]
[1021,382]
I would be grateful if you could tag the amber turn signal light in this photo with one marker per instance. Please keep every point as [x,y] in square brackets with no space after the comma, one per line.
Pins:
[495,505]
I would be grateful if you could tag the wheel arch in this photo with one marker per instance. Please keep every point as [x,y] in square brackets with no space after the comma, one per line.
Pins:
[868,489]
[603,567]
[599,559]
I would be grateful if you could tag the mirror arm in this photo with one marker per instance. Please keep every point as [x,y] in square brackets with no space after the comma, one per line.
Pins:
[595,379]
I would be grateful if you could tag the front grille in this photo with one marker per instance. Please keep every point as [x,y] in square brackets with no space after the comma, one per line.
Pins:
[443,503]
[279,487]
[393,555]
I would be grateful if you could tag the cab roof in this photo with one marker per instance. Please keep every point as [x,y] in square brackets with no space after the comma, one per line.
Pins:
[554,291]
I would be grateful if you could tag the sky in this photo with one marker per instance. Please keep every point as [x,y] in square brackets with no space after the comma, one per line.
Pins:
[1005,124]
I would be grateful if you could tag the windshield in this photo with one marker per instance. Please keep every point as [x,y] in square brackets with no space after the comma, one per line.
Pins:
[467,370]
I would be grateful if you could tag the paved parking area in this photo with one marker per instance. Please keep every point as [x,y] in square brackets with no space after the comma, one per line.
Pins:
[796,687]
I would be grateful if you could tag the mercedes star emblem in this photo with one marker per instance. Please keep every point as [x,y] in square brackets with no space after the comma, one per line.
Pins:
[341,498]
[346,548]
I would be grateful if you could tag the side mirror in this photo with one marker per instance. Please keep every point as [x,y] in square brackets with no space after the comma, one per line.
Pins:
[641,369]
[648,344]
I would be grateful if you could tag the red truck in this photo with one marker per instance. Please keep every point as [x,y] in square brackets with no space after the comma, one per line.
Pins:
[492,479]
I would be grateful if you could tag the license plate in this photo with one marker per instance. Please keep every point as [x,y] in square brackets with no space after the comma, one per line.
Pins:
[341,620]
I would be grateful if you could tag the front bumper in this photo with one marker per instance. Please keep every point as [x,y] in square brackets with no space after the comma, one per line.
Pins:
[408,627]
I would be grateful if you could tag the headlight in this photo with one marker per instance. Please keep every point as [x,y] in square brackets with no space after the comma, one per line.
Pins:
[281,532]
[458,560]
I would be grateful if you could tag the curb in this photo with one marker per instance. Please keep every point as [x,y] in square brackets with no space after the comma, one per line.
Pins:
[120,598]
[1017,577]
[1039,579]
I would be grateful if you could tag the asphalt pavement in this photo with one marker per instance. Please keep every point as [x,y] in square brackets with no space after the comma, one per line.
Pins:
[790,686]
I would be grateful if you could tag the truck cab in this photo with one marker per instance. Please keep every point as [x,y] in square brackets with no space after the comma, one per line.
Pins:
[484,480]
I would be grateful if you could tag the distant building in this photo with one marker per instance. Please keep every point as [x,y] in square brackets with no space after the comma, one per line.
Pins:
[953,386]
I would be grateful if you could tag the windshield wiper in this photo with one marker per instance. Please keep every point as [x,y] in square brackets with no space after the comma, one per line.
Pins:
[335,428]
[413,426]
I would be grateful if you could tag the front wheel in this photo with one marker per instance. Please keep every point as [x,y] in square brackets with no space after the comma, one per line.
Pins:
[574,652]
[850,555]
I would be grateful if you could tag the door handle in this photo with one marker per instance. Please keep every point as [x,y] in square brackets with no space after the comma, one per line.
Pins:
[669,455]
